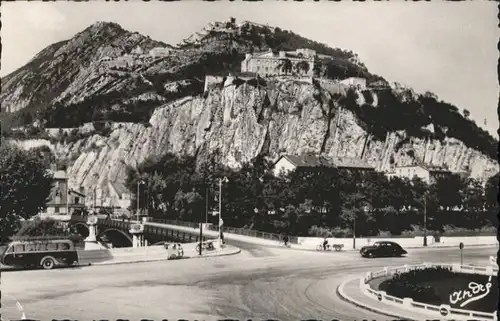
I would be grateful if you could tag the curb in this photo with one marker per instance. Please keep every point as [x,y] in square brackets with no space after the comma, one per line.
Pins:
[237,251]
[340,293]
[410,248]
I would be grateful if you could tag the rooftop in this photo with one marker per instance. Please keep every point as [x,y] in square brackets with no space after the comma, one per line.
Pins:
[119,188]
[311,160]
[58,174]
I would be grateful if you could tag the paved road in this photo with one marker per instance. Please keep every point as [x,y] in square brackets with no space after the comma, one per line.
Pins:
[259,283]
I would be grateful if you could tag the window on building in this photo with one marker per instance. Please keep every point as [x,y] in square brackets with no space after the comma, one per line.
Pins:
[56,210]
[77,200]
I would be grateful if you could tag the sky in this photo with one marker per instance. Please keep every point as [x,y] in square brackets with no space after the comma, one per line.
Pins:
[448,48]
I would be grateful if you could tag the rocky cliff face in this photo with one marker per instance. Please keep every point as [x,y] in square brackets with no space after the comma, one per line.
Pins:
[242,121]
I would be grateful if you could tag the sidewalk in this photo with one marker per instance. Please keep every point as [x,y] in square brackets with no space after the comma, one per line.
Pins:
[350,291]
[162,256]
[106,257]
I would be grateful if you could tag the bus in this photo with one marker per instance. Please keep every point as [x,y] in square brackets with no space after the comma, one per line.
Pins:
[40,253]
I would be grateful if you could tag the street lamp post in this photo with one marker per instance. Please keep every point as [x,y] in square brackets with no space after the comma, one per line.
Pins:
[354,219]
[206,203]
[139,183]
[425,220]
[95,188]
[221,180]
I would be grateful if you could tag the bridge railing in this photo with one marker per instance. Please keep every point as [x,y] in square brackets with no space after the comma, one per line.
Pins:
[240,231]
[175,222]
[234,230]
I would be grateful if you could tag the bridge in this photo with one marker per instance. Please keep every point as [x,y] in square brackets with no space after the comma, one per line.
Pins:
[117,232]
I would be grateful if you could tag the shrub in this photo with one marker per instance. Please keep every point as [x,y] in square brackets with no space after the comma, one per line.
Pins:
[408,284]
[341,232]
[450,230]
[40,227]
[319,231]
[384,233]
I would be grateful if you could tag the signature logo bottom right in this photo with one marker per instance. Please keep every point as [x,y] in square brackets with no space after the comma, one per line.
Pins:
[475,292]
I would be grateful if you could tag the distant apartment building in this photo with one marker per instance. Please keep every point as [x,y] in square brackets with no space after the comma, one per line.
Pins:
[63,200]
[355,82]
[159,52]
[271,64]
[425,173]
[310,162]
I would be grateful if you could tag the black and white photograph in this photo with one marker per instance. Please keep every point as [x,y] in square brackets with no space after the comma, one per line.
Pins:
[249,160]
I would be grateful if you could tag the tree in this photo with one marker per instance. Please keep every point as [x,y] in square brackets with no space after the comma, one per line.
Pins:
[491,191]
[25,187]
[466,113]
[302,67]
[317,69]
[286,66]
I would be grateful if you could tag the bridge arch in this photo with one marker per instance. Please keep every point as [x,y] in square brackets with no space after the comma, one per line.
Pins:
[117,237]
[80,228]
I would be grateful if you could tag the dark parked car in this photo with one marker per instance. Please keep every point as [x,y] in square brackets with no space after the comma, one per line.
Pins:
[382,249]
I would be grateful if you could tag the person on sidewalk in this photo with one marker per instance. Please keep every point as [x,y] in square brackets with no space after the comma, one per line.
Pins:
[222,237]
[285,240]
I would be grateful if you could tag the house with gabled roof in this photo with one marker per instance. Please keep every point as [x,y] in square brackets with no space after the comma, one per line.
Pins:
[62,200]
[287,163]
[119,195]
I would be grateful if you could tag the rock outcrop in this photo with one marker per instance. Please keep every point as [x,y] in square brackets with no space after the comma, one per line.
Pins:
[240,122]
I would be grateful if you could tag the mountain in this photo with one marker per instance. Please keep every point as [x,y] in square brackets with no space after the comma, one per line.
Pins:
[108,98]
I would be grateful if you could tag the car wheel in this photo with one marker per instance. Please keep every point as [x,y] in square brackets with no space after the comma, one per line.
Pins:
[48,263]
[370,255]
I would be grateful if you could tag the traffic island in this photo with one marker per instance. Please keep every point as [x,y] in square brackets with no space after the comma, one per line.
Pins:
[409,294]
[440,285]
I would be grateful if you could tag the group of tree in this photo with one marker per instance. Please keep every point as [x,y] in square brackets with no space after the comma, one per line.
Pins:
[181,188]
[415,115]
[25,186]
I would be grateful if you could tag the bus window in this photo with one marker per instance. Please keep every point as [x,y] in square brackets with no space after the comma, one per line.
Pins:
[19,248]
[42,247]
[52,247]
[29,247]
[10,249]
[63,246]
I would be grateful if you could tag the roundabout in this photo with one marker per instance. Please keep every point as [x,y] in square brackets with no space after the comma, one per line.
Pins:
[258,283]
[404,291]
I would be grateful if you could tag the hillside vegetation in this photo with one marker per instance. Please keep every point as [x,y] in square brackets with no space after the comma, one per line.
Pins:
[67,84]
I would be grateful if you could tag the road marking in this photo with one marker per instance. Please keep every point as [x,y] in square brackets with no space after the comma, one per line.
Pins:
[19,307]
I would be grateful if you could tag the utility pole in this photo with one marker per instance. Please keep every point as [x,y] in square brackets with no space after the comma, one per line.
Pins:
[138,198]
[201,236]
[354,223]
[221,180]
[67,199]
[206,204]
[425,219]
[220,209]
[95,187]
